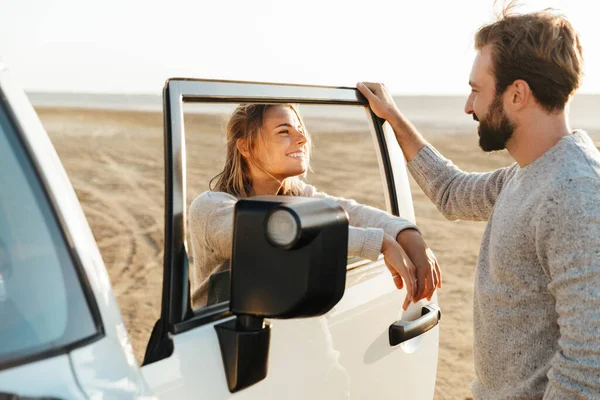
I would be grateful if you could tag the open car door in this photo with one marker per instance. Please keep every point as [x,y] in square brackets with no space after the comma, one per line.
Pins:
[345,353]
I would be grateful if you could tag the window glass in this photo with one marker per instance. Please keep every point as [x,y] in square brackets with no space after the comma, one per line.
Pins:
[42,305]
[343,163]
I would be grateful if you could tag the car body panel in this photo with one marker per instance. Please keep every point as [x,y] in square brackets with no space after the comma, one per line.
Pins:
[111,352]
[51,377]
[104,370]
[344,354]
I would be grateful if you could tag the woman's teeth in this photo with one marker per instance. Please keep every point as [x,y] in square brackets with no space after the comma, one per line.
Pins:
[296,155]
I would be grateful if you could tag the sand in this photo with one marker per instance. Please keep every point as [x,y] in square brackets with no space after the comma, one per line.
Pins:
[115,162]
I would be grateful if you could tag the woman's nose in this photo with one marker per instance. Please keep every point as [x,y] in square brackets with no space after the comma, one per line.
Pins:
[301,138]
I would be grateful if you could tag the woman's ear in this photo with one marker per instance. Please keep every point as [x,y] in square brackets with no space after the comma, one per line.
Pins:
[242,146]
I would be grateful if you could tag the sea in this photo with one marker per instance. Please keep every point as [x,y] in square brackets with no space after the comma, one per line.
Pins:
[433,111]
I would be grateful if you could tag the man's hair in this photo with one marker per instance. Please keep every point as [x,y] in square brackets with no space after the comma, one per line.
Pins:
[541,48]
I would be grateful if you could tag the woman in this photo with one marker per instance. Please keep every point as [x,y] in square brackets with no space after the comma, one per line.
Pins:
[268,149]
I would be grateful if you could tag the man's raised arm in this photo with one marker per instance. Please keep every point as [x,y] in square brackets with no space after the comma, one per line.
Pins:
[457,194]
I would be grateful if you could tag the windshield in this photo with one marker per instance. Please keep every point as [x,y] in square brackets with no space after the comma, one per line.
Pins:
[42,305]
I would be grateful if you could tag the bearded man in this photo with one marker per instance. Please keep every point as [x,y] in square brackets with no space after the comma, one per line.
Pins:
[537,282]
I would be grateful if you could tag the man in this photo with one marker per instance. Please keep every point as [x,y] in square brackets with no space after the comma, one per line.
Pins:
[537,284]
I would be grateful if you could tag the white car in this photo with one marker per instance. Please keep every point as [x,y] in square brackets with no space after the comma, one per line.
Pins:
[62,335]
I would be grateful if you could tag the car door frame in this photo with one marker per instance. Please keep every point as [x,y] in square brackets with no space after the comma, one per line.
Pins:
[177,315]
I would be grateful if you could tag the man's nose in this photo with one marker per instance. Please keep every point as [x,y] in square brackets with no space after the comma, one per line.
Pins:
[469,105]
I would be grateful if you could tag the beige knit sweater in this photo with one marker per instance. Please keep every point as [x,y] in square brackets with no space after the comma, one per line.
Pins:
[537,284]
[211,229]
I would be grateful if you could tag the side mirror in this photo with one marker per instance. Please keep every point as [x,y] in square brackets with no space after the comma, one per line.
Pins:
[288,261]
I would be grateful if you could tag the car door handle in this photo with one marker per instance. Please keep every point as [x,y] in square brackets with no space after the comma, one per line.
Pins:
[401,331]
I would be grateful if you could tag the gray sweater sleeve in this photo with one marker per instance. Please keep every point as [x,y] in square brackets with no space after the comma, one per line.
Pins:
[457,194]
[568,246]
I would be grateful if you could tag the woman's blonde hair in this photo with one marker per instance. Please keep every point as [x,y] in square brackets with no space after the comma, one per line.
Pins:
[246,122]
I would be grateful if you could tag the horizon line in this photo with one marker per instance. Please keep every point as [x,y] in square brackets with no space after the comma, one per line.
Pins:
[413,94]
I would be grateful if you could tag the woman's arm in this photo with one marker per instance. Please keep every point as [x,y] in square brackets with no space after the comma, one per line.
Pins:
[405,233]
[211,223]
[211,229]
[364,216]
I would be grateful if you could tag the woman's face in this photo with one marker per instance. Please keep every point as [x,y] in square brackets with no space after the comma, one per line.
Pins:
[283,151]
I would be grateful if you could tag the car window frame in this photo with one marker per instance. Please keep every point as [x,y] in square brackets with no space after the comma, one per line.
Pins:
[176,309]
[55,218]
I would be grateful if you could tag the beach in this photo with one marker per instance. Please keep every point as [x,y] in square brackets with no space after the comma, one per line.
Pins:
[115,162]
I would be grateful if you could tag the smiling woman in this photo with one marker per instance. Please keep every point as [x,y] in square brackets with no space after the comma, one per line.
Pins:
[268,149]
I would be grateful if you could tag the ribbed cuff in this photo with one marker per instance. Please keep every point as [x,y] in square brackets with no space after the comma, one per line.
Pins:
[398,226]
[372,244]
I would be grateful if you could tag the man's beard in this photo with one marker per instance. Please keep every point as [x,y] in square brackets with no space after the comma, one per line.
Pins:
[495,129]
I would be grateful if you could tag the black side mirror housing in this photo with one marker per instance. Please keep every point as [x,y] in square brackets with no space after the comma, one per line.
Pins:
[288,261]
[289,256]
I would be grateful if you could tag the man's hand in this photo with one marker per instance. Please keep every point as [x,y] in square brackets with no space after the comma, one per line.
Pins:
[428,274]
[380,100]
[382,104]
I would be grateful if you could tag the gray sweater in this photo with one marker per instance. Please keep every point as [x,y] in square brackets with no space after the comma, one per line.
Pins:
[537,283]
[211,231]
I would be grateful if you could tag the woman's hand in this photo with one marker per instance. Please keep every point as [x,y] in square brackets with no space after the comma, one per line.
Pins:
[400,266]
[428,274]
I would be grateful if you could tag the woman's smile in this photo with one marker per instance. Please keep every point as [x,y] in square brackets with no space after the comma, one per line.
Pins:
[299,155]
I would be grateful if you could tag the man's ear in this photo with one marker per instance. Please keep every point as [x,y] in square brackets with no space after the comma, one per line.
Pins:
[520,94]
[242,146]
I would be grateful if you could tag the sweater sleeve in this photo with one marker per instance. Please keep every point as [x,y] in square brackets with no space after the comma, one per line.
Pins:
[211,223]
[457,194]
[211,228]
[210,231]
[363,216]
[568,246]
[365,242]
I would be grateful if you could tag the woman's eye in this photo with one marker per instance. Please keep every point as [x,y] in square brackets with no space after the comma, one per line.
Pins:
[284,132]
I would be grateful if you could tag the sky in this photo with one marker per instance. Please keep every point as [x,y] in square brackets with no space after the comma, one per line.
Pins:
[133,46]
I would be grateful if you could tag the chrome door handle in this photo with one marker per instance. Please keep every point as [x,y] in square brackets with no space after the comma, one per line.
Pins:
[401,331]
